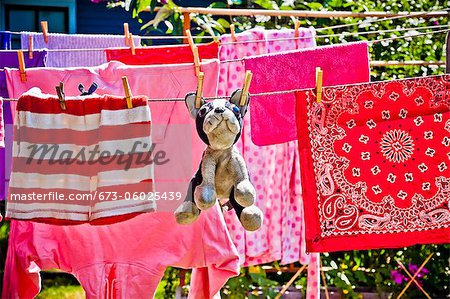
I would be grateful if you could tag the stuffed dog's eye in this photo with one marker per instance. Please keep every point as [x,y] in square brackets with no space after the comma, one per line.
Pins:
[236,109]
[202,112]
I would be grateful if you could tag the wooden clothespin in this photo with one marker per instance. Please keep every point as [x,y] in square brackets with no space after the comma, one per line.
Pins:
[23,74]
[233,33]
[246,87]
[296,28]
[198,94]
[132,47]
[44,26]
[30,46]
[128,95]
[126,31]
[319,78]
[194,52]
[61,95]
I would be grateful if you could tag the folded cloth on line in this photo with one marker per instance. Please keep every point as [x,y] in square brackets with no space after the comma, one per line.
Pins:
[163,54]
[375,164]
[86,163]
[82,58]
[272,119]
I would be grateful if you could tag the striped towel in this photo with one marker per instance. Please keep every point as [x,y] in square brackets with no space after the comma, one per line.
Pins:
[88,163]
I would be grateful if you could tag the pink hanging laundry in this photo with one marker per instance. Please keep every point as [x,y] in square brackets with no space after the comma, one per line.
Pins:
[122,260]
[272,119]
[88,162]
[375,164]
[154,238]
[274,170]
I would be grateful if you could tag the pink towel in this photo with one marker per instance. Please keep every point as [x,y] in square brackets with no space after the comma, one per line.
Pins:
[273,117]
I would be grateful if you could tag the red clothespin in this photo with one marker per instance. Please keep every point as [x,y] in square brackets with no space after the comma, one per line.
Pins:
[128,95]
[132,47]
[246,87]
[23,74]
[126,31]
[233,33]
[61,95]
[30,46]
[194,52]
[198,94]
[296,28]
[319,77]
[44,26]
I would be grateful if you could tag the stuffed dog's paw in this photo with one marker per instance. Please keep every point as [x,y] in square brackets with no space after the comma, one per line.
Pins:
[205,196]
[251,218]
[245,193]
[186,213]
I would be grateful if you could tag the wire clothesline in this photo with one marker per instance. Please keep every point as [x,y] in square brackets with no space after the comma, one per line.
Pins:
[259,94]
[242,59]
[285,39]
[370,42]
[399,16]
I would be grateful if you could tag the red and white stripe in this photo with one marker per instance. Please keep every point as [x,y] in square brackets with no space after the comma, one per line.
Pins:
[92,122]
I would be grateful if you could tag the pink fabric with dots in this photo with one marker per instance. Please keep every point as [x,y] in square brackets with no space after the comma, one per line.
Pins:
[274,170]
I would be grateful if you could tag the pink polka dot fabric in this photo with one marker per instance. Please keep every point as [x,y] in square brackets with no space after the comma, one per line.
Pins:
[274,170]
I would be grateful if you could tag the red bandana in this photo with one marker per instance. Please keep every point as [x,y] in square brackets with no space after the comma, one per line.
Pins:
[375,164]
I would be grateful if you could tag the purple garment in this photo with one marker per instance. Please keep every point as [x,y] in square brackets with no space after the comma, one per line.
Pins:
[9,59]
[5,40]
[75,41]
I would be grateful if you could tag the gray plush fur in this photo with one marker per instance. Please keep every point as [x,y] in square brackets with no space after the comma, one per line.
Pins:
[222,173]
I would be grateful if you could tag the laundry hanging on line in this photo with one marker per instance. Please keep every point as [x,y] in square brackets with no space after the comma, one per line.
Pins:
[163,54]
[96,148]
[400,132]
[272,118]
[74,41]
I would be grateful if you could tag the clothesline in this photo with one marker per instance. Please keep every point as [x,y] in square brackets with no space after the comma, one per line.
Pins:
[370,42]
[373,63]
[253,95]
[290,38]
[444,12]
[338,34]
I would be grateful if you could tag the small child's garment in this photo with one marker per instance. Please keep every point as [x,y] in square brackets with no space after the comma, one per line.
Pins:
[85,163]
[9,59]
[163,54]
[177,148]
[122,260]
[375,164]
[272,118]
[84,58]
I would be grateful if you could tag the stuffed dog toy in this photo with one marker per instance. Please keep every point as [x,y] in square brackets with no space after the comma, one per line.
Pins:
[222,172]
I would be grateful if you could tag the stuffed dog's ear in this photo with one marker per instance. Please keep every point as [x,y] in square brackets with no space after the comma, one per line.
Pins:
[236,99]
[190,104]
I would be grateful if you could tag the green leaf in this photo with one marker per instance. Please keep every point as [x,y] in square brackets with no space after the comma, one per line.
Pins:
[267,4]
[162,15]
[218,5]
[224,23]
[315,6]
[169,27]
